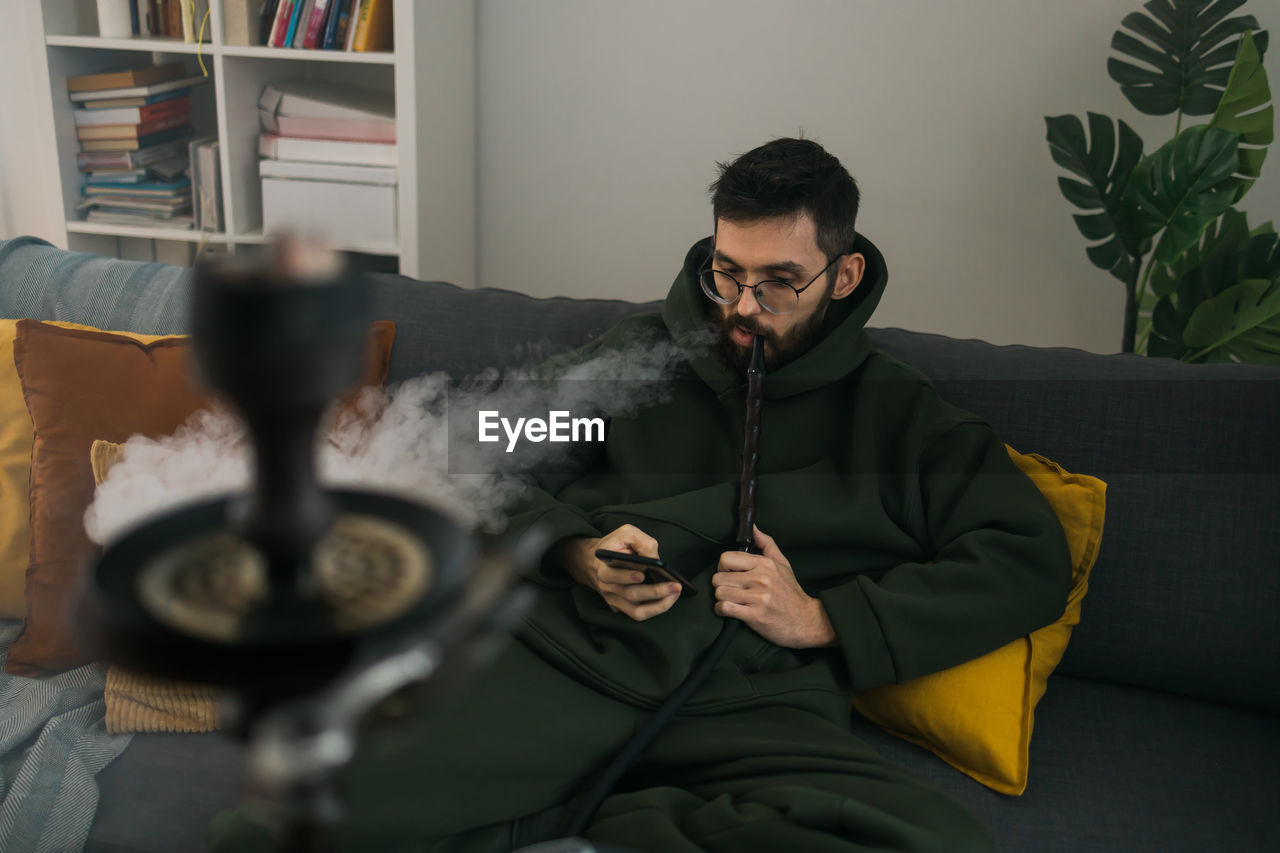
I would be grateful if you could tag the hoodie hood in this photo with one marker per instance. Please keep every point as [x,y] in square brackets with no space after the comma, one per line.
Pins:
[842,344]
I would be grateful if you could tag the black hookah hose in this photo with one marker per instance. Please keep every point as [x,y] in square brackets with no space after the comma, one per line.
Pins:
[745,540]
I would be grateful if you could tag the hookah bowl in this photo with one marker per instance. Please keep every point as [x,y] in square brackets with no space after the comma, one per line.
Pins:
[308,605]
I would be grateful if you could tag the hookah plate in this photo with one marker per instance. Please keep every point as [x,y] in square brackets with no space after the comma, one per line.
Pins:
[185,596]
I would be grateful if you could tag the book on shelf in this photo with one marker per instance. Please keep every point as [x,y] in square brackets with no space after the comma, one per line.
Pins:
[342,173]
[322,99]
[336,30]
[139,101]
[158,207]
[143,189]
[170,168]
[242,21]
[296,9]
[116,177]
[90,146]
[327,150]
[104,217]
[94,116]
[173,20]
[314,110]
[133,131]
[93,161]
[206,183]
[195,20]
[139,91]
[128,77]
[316,26]
[374,29]
[266,20]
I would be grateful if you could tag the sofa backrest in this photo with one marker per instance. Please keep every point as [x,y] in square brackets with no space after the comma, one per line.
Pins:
[1185,592]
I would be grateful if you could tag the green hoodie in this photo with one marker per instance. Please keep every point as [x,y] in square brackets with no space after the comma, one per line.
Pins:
[902,513]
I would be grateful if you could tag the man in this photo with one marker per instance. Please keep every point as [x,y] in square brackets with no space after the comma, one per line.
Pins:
[895,539]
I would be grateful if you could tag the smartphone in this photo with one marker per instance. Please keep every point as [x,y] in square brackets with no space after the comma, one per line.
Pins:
[655,571]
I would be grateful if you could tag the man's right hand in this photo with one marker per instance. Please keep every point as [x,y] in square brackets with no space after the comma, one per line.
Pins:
[622,586]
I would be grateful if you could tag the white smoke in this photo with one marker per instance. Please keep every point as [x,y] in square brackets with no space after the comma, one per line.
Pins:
[395,441]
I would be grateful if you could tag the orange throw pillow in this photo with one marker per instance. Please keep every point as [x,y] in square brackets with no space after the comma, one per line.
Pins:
[81,385]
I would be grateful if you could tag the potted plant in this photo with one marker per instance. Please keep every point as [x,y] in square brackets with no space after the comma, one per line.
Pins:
[1200,284]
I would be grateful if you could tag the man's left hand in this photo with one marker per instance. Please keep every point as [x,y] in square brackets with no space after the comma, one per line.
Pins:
[762,591]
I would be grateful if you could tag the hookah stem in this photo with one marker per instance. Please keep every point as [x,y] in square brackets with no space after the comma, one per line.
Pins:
[751,447]
[746,520]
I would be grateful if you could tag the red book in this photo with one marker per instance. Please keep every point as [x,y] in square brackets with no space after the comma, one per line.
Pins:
[134,115]
[315,27]
[283,13]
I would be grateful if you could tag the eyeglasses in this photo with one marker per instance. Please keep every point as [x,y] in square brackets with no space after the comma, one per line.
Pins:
[776,297]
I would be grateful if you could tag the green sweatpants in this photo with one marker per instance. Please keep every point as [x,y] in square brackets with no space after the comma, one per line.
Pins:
[505,765]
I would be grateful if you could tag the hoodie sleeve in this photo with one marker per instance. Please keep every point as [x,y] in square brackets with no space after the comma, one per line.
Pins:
[1002,568]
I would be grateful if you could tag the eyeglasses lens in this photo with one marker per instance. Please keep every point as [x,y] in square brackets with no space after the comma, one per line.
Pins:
[773,296]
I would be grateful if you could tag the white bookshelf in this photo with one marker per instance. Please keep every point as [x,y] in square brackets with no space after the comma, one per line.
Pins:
[431,71]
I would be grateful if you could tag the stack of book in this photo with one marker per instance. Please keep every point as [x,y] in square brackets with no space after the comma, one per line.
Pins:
[328,148]
[132,126]
[362,25]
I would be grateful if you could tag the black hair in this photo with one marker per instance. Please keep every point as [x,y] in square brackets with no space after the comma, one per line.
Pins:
[789,177]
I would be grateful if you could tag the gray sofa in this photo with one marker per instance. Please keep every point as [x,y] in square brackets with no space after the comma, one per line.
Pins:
[1160,730]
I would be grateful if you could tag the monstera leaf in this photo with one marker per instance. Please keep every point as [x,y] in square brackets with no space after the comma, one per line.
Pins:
[1227,236]
[1246,109]
[1228,255]
[1182,187]
[1186,58]
[1106,169]
[1242,323]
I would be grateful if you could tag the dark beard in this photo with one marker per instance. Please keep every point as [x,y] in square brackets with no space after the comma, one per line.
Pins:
[777,352]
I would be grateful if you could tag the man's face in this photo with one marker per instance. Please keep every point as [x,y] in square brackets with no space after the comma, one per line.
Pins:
[783,249]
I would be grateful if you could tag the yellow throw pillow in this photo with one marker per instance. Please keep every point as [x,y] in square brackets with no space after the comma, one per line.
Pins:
[978,716]
[142,703]
[16,433]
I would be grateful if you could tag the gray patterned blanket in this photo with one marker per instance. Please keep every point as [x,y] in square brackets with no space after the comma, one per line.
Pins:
[53,742]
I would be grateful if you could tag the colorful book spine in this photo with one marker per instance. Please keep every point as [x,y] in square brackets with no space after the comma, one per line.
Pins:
[351,23]
[267,24]
[331,28]
[298,8]
[284,13]
[374,30]
[315,27]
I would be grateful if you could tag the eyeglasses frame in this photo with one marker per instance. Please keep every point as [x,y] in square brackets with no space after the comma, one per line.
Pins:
[707,268]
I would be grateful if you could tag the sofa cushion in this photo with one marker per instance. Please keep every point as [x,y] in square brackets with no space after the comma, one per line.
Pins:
[81,385]
[163,790]
[1185,596]
[1123,769]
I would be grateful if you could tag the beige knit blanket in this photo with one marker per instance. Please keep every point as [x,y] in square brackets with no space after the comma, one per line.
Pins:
[141,703]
